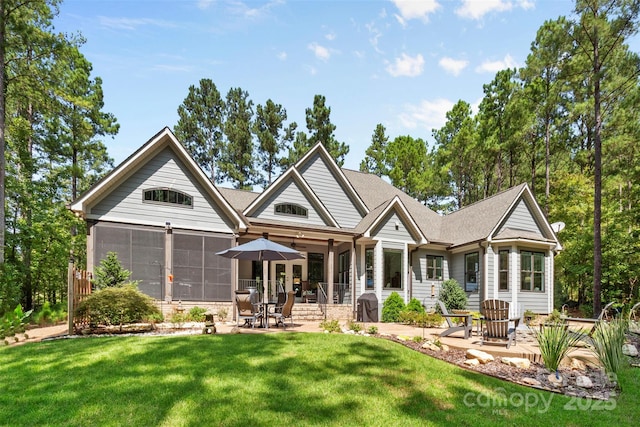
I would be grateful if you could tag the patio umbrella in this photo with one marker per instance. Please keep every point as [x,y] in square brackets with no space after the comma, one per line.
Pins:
[261,250]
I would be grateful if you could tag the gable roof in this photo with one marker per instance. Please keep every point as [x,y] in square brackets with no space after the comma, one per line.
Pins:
[338,172]
[378,194]
[381,212]
[163,139]
[482,220]
[290,175]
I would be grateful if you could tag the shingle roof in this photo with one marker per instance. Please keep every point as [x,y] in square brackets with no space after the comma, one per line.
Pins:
[476,221]
[377,194]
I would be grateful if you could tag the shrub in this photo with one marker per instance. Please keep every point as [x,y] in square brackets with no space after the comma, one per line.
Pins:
[356,327]
[196,314]
[13,322]
[372,330]
[330,325]
[110,272]
[392,307]
[607,342]
[453,296]
[48,314]
[117,306]
[555,342]
[415,305]
[422,320]
[222,314]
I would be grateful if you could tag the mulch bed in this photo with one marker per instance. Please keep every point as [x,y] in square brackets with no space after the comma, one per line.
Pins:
[603,388]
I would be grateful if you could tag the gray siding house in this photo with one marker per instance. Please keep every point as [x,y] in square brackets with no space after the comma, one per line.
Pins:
[359,234]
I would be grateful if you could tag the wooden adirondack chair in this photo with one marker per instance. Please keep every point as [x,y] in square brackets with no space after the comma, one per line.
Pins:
[496,323]
[466,326]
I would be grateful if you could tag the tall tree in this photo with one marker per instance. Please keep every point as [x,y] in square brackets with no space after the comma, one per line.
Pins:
[407,159]
[238,164]
[545,87]
[201,126]
[456,152]
[374,161]
[268,127]
[599,34]
[320,130]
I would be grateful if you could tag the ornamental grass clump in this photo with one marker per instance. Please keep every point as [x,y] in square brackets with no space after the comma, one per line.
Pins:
[607,342]
[555,342]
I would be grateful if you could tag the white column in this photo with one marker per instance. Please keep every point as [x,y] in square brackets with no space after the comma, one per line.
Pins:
[549,285]
[496,271]
[515,273]
[378,260]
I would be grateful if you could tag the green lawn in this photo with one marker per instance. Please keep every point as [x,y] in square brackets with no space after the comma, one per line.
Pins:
[272,380]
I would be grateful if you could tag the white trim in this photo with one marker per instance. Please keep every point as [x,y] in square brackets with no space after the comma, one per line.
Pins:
[515,277]
[336,169]
[130,165]
[301,182]
[378,272]
[403,212]
[174,225]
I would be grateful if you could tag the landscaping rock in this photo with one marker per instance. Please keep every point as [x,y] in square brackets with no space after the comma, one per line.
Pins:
[481,356]
[531,382]
[517,362]
[444,347]
[472,362]
[584,381]
[555,381]
[630,350]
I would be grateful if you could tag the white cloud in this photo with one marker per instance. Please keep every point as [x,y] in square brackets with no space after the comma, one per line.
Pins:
[453,66]
[412,9]
[132,23]
[330,36]
[282,56]
[374,36]
[204,4]
[320,52]
[428,114]
[495,66]
[476,10]
[407,66]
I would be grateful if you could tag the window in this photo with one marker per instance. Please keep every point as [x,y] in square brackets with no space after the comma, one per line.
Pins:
[503,270]
[392,269]
[368,266]
[344,267]
[434,267]
[471,272]
[315,265]
[165,195]
[290,209]
[532,271]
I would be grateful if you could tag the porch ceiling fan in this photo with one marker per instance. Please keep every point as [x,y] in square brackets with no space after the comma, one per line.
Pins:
[294,245]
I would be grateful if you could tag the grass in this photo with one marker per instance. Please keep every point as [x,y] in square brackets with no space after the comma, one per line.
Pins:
[272,379]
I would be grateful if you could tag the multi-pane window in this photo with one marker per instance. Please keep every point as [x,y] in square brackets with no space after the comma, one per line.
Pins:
[368,266]
[434,267]
[503,270]
[290,209]
[532,271]
[471,262]
[166,195]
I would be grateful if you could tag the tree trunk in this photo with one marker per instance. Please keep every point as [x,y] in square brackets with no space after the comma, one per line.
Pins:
[597,176]
[3,83]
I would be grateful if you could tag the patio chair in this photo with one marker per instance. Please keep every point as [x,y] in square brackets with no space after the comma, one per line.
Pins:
[285,310]
[496,322]
[587,337]
[452,326]
[247,309]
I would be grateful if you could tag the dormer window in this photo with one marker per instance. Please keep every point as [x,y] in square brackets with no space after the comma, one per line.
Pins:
[166,195]
[291,209]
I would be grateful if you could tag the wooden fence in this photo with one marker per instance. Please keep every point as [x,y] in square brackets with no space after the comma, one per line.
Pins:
[81,285]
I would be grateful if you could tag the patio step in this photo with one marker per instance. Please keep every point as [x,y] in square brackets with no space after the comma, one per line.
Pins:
[307,312]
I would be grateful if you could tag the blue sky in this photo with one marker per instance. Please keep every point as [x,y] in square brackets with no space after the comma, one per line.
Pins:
[400,63]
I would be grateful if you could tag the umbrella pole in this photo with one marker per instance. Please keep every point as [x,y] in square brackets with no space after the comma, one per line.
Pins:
[265,297]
